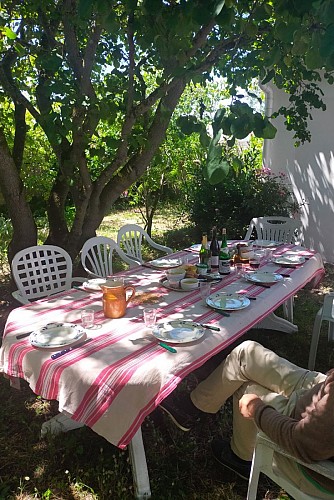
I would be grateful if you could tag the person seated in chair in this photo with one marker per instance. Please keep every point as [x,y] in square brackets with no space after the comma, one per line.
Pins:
[291,405]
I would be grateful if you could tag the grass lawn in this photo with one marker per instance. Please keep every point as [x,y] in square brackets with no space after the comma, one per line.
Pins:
[82,465]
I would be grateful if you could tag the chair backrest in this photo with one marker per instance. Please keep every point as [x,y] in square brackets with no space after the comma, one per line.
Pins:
[42,270]
[130,237]
[275,228]
[262,462]
[97,256]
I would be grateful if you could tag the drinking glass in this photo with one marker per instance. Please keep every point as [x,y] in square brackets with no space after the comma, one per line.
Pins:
[87,318]
[204,290]
[254,262]
[150,316]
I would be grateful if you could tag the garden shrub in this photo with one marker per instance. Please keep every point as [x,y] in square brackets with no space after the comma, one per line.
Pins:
[247,193]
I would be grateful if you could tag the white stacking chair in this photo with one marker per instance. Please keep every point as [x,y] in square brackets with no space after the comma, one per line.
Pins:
[97,256]
[40,271]
[325,313]
[130,237]
[275,228]
[262,462]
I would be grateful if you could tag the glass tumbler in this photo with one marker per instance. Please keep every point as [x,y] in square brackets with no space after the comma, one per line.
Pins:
[204,290]
[87,318]
[150,316]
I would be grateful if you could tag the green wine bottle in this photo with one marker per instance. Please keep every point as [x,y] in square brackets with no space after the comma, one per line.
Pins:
[224,255]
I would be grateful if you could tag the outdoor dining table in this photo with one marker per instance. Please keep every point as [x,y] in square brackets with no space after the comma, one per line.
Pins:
[112,382]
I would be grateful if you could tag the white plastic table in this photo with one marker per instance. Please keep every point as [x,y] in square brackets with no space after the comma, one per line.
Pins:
[118,378]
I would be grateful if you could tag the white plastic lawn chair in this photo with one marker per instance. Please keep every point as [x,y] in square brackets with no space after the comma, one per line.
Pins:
[274,228]
[97,256]
[262,462]
[325,313]
[130,237]
[40,271]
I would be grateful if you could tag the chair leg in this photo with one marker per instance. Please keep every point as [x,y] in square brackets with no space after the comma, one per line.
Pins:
[253,478]
[288,309]
[139,466]
[315,340]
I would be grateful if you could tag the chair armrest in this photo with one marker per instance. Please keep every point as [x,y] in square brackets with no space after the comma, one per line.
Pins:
[157,246]
[323,467]
[79,279]
[19,297]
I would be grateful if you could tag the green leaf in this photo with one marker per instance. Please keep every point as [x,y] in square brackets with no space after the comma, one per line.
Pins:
[216,171]
[219,4]
[270,75]
[85,8]
[269,131]
[9,33]
[313,59]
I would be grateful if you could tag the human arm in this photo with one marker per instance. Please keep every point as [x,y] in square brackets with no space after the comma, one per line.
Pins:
[309,438]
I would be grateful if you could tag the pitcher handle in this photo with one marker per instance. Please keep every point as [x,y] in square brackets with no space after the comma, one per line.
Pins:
[133,292]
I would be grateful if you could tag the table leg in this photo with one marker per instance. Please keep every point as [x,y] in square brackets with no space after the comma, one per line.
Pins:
[59,423]
[273,322]
[139,466]
[288,309]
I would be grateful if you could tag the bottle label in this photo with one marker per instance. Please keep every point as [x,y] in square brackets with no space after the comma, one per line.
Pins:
[224,267]
[214,261]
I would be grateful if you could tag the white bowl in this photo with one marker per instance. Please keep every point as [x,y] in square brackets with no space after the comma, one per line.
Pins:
[189,284]
[176,274]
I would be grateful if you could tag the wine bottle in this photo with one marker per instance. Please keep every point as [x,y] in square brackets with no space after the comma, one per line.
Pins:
[214,249]
[203,249]
[224,255]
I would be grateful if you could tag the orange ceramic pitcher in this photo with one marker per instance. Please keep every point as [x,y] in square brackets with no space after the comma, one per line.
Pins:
[116,298]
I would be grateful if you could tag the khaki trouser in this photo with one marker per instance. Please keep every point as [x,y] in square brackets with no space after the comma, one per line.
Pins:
[252,369]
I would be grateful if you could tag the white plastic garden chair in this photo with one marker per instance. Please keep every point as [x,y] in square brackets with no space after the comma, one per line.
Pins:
[97,256]
[274,228]
[262,462]
[325,313]
[40,271]
[130,237]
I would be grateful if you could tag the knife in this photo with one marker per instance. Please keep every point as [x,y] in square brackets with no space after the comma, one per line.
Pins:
[69,349]
[23,335]
[223,313]
[264,285]
[209,327]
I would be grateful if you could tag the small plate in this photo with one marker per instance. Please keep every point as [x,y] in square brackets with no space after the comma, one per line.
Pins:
[262,277]
[56,335]
[289,259]
[165,263]
[227,302]
[267,243]
[178,332]
[196,247]
[166,284]
[94,284]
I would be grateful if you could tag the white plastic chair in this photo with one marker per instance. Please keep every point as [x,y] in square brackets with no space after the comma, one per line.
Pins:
[325,313]
[130,238]
[275,228]
[40,271]
[97,256]
[262,462]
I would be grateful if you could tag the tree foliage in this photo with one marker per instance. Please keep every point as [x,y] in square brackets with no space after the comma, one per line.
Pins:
[102,79]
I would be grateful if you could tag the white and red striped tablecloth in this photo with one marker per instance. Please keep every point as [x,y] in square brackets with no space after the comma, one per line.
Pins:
[114,381]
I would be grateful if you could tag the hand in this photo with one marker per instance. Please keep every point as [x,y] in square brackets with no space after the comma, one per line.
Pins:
[248,404]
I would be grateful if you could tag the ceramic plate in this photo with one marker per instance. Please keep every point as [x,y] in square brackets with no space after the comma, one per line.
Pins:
[289,259]
[56,335]
[165,263]
[94,284]
[262,277]
[267,243]
[178,332]
[196,247]
[227,302]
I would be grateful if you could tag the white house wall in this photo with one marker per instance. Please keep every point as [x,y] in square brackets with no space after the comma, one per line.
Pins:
[310,170]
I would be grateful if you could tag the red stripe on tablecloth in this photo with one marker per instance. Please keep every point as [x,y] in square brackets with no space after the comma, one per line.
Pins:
[97,401]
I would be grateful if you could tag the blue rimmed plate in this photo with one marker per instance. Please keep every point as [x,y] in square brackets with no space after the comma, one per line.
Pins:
[56,335]
[178,331]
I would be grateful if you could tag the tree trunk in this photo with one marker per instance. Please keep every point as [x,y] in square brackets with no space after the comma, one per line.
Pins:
[24,227]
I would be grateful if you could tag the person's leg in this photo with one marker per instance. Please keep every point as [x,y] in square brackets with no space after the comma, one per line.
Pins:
[250,361]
